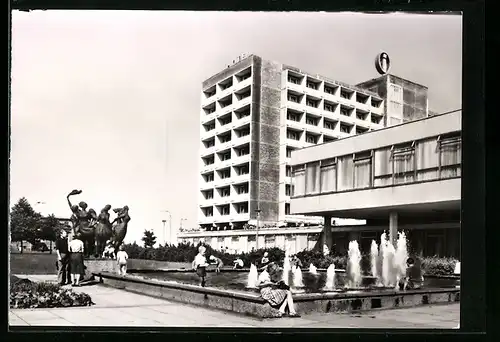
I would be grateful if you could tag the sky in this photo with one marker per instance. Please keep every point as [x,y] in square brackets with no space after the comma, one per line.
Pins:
[109,101]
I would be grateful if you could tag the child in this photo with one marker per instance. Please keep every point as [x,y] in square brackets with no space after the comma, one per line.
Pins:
[121,259]
[217,262]
[200,265]
[414,278]
[238,263]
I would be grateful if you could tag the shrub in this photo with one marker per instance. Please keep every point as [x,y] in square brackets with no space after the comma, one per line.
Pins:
[438,266]
[26,294]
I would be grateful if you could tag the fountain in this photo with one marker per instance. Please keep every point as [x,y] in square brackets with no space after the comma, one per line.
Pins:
[400,257]
[374,259]
[297,278]
[354,264]
[313,269]
[253,276]
[286,268]
[330,278]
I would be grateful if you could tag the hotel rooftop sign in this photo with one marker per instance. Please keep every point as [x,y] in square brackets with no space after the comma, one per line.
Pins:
[382,63]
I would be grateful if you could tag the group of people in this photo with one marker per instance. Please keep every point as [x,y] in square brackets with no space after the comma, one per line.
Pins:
[70,264]
[272,288]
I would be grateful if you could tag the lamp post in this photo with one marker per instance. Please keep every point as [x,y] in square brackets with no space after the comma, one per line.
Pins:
[164,232]
[170,224]
[257,230]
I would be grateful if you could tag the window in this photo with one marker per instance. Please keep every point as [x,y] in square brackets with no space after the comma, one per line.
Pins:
[243,151]
[328,139]
[244,132]
[299,180]
[242,189]
[293,79]
[209,143]
[311,139]
[210,126]
[293,98]
[242,208]
[243,114]
[403,157]
[209,194]
[292,135]
[329,124]
[208,212]
[226,120]
[288,171]
[328,175]
[242,170]
[251,238]
[376,119]
[449,156]
[287,208]
[361,115]
[362,170]
[329,90]
[345,111]
[225,192]
[209,160]
[312,103]
[225,210]
[329,107]
[210,110]
[345,172]
[225,156]
[288,190]
[376,103]
[344,128]
[311,121]
[209,177]
[225,138]
[345,94]
[312,178]
[225,174]
[293,116]
[312,85]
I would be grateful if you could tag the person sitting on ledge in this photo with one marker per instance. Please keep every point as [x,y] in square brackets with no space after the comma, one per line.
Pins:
[200,265]
[413,278]
[217,262]
[264,261]
[277,294]
[109,250]
[238,263]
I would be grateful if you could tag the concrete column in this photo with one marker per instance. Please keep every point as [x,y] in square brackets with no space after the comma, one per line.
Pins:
[327,233]
[393,227]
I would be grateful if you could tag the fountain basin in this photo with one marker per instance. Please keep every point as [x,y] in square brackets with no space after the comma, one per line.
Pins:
[249,302]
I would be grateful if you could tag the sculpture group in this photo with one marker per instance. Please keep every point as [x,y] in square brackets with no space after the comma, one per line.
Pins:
[96,230]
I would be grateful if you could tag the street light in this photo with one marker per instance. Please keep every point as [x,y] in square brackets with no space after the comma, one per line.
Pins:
[170,225]
[257,230]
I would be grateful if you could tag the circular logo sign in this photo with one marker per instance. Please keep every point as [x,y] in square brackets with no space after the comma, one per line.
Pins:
[382,63]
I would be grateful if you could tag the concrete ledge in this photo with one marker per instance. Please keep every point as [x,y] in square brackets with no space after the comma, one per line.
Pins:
[109,265]
[254,305]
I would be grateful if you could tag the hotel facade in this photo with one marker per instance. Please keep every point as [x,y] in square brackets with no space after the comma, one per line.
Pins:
[254,115]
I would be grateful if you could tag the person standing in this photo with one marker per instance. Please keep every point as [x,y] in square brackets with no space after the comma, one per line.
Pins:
[63,271]
[121,259]
[76,259]
[200,265]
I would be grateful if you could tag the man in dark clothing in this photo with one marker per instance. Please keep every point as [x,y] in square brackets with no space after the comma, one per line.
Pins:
[63,274]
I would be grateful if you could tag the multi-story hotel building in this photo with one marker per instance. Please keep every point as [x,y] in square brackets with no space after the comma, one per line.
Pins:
[254,114]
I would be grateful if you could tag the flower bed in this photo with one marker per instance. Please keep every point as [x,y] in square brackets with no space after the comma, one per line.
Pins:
[187,252]
[25,294]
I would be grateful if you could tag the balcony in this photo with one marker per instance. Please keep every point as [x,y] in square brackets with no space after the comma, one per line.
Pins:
[240,141]
[204,135]
[294,143]
[236,198]
[208,117]
[205,219]
[224,181]
[221,146]
[237,123]
[204,202]
[298,107]
[243,84]
[297,125]
[203,185]
[239,217]
[295,87]
[241,178]
[240,159]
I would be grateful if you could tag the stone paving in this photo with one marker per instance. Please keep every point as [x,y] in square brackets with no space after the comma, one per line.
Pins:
[116,307]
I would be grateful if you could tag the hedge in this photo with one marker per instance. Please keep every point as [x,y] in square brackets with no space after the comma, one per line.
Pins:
[185,252]
[25,294]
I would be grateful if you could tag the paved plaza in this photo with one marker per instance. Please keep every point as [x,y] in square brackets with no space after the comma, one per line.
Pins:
[116,307]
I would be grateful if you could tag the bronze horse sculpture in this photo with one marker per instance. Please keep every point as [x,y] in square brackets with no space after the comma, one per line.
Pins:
[96,230]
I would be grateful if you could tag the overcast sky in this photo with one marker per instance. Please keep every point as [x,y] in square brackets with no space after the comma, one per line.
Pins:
[109,102]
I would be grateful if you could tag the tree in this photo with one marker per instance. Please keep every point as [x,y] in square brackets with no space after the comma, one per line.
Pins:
[24,222]
[48,228]
[149,239]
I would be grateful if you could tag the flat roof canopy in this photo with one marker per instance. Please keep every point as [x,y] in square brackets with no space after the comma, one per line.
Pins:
[418,211]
